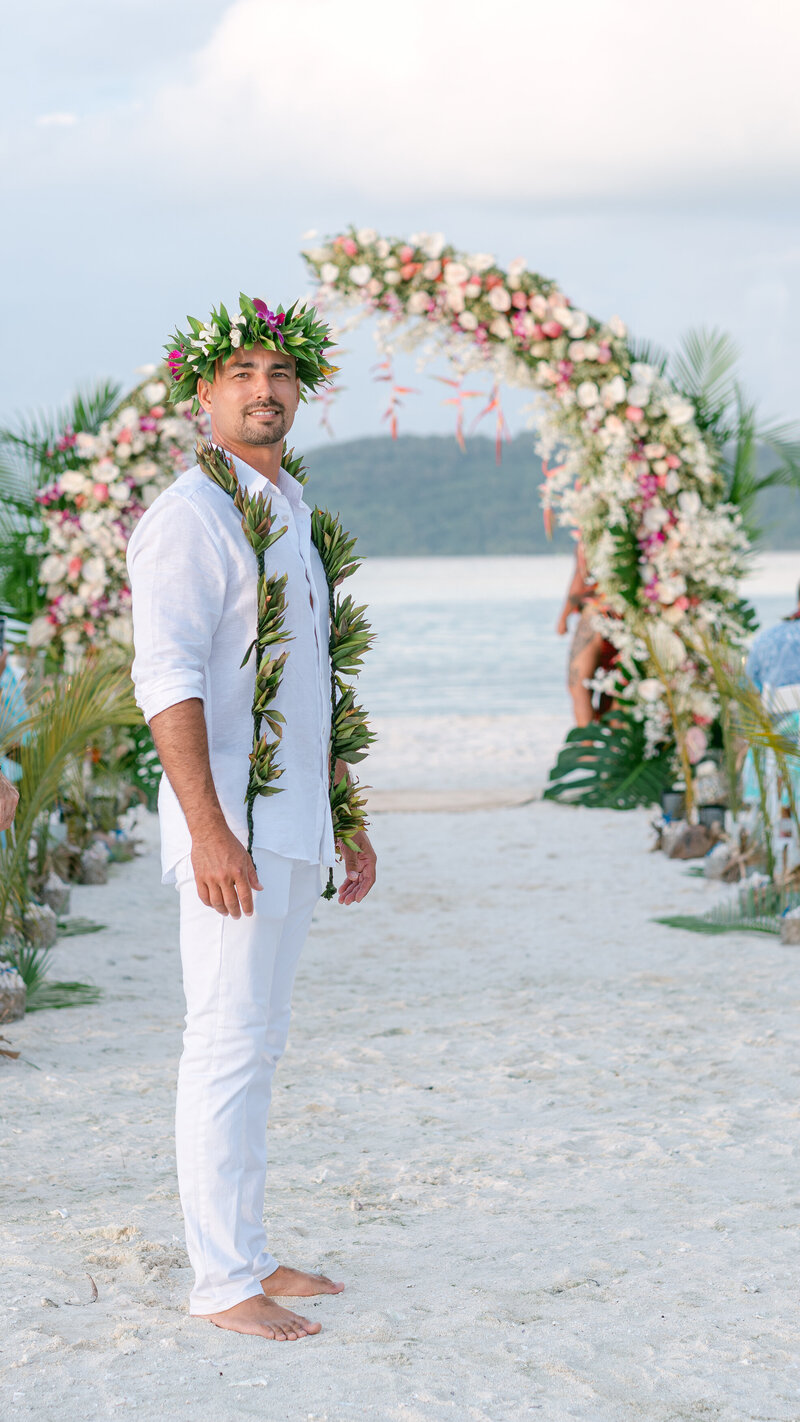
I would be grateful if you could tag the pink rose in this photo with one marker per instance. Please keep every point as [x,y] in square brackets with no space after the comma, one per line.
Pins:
[520,300]
[74,566]
[100,492]
[124,436]
[552,330]
[406,254]
[634,414]
[673,461]
[349,247]
[696,744]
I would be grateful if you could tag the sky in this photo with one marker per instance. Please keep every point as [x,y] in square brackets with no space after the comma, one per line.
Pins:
[160,158]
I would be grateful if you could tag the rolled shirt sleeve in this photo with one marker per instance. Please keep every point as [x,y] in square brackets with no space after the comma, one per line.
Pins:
[178,579]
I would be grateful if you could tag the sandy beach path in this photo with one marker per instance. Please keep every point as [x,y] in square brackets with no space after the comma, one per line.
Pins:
[551,1146]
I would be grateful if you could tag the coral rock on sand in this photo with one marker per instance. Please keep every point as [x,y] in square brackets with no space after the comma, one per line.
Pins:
[94,864]
[56,894]
[41,926]
[12,993]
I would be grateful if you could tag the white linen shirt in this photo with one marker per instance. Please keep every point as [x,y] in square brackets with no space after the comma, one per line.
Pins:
[193,581]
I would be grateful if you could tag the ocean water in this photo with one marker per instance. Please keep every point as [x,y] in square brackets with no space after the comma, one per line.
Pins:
[476,636]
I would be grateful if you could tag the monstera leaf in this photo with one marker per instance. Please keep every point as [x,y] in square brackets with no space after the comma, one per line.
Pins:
[604,765]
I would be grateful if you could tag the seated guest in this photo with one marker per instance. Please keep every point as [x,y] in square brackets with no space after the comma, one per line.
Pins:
[774,658]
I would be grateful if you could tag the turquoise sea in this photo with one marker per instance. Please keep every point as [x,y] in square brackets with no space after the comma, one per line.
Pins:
[471,636]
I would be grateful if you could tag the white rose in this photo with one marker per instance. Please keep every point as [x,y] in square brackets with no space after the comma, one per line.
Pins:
[392,278]
[120,629]
[577,351]
[431,270]
[455,298]
[614,392]
[468,321]
[53,569]
[366,235]
[41,632]
[618,328]
[94,570]
[382,248]
[329,273]
[432,244]
[517,266]
[501,328]
[587,394]
[642,374]
[654,518]
[690,503]
[639,395]
[71,482]
[499,299]
[578,324]
[127,419]
[418,302]
[374,287]
[539,307]
[360,275]
[480,262]
[455,273]
[154,392]
[592,350]
[651,689]
[673,482]
[562,315]
[667,646]
[86,445]
[678,410]
[471,290]
[119,492]
[71,637]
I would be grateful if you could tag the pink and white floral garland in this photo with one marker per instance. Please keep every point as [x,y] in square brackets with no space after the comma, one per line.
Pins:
[89,512]
[633,466]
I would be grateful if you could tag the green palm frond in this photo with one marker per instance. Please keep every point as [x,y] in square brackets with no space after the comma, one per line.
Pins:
[649,354]
[703,369]
[604,765]
[67,714]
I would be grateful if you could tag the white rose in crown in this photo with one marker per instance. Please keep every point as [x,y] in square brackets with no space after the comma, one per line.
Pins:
[499,299]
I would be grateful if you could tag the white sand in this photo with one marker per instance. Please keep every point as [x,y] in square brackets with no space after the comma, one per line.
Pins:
[551,1146]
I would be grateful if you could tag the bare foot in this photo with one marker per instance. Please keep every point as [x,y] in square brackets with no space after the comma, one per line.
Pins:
[294,1284]
[265,1318]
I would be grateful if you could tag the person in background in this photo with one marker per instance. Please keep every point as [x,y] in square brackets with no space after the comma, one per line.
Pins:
[589,649]
[774,658]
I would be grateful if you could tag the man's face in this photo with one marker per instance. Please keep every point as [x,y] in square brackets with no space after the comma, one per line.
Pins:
[253,397]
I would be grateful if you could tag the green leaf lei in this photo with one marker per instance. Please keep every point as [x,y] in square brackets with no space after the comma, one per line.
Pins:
[350,638]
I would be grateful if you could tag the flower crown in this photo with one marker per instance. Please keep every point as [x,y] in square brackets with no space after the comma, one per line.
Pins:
[193,356]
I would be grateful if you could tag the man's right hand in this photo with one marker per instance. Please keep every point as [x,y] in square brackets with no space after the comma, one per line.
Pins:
[224,873]
[9,799]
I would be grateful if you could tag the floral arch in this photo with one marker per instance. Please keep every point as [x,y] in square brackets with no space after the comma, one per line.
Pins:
[628,463]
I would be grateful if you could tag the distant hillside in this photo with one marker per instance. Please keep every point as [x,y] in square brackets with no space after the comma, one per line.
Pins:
[421,495]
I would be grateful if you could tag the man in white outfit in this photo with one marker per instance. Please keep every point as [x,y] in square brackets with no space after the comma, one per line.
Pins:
[243,917]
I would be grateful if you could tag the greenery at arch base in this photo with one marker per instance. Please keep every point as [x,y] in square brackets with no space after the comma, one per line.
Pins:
[652,464]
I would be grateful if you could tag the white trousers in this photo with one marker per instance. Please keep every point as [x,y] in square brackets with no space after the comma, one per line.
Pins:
[238,976]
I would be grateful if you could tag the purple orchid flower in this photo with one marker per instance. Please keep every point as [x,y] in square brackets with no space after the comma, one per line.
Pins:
[270,318]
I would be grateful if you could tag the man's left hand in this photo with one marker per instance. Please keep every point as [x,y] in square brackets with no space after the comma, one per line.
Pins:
[361,870]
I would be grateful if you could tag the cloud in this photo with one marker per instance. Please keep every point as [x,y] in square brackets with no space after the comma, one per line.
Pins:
[56,120]
[513,102]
